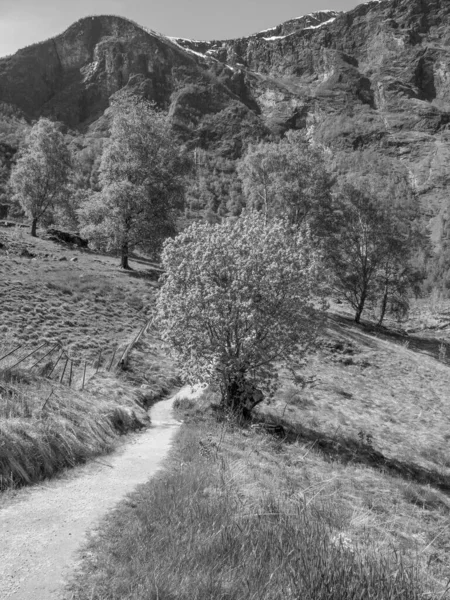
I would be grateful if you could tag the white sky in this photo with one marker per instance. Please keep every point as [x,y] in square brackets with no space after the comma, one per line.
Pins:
[23,22]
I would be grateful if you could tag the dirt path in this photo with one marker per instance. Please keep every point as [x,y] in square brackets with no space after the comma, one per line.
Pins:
[41,530]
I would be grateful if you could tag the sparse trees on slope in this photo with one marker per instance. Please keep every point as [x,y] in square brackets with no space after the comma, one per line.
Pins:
[142,178]
[403,242]
[238,297]
[354,246]
[286,179]
[39,178]
[368,245]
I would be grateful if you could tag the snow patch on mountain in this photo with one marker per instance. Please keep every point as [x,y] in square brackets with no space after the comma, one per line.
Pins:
[321,24]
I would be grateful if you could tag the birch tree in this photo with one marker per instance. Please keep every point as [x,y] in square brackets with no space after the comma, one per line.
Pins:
[286,179]
[142,176]
[39,178]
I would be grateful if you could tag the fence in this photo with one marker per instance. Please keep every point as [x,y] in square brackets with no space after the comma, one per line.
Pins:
[51,361]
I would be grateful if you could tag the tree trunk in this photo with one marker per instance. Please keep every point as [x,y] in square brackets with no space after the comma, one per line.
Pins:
[124,257]
[360,308]
[383,307]
[34,227]
[241,396]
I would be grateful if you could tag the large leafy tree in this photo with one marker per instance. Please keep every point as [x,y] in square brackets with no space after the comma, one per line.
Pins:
[39,178]
[286,179]
[142,174]
[239,298]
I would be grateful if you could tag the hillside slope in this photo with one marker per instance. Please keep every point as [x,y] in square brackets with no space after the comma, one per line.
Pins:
[375,77]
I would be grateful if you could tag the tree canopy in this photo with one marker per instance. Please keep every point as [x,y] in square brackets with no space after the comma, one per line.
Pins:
[286,179]
[368,245]
[39,178]
[142,180]
[238,297]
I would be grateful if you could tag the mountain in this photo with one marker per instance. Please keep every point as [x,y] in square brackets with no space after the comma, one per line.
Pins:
[376,77]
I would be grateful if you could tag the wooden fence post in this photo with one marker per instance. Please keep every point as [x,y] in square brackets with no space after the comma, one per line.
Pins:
[56,364]
[84,376]
[64,370]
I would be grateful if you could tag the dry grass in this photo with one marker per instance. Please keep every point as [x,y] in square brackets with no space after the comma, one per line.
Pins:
[363,467]
[87,305]
[45,427]
[78,310]
[361,385]
[362,474]
[227,522]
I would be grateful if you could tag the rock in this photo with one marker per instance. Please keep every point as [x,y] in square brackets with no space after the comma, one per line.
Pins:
[25,253]
[57,235]
[74,259]
[62,258]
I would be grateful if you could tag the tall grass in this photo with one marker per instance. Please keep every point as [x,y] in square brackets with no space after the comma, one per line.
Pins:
[45,427]
[192,534]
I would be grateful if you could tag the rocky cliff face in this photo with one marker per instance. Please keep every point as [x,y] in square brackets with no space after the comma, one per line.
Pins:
[375,77]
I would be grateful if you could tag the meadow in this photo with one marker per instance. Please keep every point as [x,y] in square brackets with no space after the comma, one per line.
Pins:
[347,498]
[85,308]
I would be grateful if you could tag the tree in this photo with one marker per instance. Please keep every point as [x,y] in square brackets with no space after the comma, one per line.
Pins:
[368,245]
[376,234]
[142,177]
[39,178]
[237,299]
[287,178]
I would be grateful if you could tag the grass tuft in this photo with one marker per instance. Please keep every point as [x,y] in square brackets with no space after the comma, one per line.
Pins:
[45,427]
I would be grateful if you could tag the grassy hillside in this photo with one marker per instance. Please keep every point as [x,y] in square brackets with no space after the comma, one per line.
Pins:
[350,500]
[359,468]
[85,310]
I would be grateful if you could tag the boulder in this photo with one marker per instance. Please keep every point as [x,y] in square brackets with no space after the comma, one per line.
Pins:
[67,237]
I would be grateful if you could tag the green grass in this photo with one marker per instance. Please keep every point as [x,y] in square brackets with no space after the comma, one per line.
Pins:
[213,526]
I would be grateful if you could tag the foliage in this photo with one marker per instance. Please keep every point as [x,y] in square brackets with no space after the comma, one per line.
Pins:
[238,298]
[142,177]
[40,176]
[287,178]
[367,246]
[215,187]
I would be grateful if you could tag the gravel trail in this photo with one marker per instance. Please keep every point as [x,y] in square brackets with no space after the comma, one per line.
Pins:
[43,527]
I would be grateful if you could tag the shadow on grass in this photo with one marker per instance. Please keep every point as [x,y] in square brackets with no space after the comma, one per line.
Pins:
[348,450]
[424,345]
[150,275]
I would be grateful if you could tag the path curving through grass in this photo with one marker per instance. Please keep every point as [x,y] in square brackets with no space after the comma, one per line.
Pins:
[42,529]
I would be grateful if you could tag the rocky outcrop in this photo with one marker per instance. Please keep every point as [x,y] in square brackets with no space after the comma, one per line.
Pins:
[375,77]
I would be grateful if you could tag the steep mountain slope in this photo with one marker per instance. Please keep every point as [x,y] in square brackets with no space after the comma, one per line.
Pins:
[375,77]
